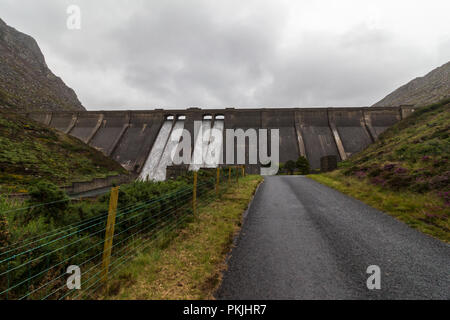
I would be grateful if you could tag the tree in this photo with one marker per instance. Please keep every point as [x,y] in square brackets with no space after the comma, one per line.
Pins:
[302,165]
[290,166]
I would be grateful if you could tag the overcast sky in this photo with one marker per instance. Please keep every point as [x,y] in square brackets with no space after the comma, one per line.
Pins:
[145,54]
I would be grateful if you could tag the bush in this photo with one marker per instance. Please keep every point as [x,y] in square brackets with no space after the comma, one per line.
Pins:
[302,165]
[374,172]
[290,166]
[56,199]
[144,207]
[4,231]
[399,181]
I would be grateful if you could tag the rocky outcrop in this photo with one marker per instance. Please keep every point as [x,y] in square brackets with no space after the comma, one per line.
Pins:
[26,83]
[433,87]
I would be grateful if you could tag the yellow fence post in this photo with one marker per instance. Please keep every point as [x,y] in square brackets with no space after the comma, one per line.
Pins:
[229,174]
[217,180]
[243,171]
[194,194]
[237,174]
[109,233]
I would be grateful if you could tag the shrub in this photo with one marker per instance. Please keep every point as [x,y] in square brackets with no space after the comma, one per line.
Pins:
[421,186]
[4,231]
[290,166]
[360,174]
[374,172]
[378,181]
[441,182]
[399,181]
[302,165]
[56,199]
[401,170]
[445,196]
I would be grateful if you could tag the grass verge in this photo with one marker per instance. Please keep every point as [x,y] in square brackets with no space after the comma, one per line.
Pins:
[190,265]
[409,207]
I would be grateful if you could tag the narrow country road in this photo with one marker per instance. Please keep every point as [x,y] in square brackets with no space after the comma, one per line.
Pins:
[303,240]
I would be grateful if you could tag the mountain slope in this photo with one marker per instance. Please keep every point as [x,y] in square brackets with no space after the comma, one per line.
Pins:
[414,154]
[26,83]
[406,173]
[432,88]
[31,151]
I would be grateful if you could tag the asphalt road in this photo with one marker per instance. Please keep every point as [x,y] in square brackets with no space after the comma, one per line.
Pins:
[303,240]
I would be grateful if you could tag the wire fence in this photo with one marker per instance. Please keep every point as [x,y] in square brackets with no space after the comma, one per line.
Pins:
[36,267]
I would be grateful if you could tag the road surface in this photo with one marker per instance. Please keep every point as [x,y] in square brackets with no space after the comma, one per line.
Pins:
[303,240]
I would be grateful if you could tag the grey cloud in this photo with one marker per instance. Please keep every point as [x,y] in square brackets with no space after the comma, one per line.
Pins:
[187,54]
[147,54]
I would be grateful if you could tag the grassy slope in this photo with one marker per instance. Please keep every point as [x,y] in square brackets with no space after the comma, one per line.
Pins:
[30,151]
[191,264]
[406,173]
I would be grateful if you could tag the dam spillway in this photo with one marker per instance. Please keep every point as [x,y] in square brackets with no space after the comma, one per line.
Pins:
[215,145]
[139,140]
[208,144]
[201,144]
[152,163]
[171,146]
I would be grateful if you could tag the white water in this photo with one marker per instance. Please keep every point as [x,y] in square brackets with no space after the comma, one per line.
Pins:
[212,159]
[166,158]
[201,145]
[168,140]
[148,171]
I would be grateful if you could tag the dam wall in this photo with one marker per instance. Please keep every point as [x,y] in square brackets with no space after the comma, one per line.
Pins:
[129,136]
[315,132]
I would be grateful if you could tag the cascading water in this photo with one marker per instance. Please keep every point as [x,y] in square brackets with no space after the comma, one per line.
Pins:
[171,146]
[208,146]
[201,145]
[212,159]
[148,171]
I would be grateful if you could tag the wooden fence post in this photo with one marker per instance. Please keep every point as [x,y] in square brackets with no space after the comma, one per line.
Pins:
[109,233]
[229,174]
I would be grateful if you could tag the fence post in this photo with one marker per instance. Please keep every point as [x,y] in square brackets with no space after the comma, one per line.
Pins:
[243,171]
[237,174]
[194,194]
[217,180]
[229,174]
[109,233]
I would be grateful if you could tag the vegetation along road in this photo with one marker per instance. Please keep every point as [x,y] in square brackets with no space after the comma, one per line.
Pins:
[303,240]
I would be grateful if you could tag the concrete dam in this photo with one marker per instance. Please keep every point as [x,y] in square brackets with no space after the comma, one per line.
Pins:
[142,141]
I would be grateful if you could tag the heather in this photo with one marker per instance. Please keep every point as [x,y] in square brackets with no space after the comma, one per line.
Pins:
[406,172]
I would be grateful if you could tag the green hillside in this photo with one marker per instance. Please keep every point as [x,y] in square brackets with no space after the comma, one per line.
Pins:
[406,172]
[30,152]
